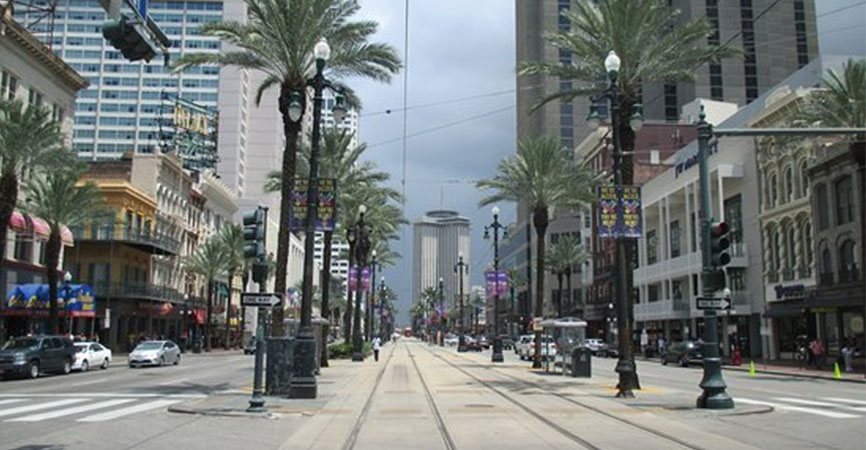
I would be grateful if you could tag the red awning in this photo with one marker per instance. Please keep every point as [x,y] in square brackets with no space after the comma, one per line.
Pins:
[23,223]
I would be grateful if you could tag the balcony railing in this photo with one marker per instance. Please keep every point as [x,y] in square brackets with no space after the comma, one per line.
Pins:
[137,290]
[155,241]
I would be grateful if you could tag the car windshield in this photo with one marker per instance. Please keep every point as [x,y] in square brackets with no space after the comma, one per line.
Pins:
[149,346]
[80,348]
[21,343]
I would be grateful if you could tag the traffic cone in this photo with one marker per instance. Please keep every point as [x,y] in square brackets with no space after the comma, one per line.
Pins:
[837,374]
[752,371]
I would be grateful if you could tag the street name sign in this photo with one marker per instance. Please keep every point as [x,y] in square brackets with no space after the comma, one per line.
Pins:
[260,299]
[718,304]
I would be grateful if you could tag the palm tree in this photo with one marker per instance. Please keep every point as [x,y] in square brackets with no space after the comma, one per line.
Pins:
[232,239]
[211,262]
[564,254]
[29,139]
[59,200]
[278,38]
[543,177]
[842,103]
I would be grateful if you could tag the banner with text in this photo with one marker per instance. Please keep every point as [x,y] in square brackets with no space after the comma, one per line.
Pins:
[619,212]
[326,209]
[496,282]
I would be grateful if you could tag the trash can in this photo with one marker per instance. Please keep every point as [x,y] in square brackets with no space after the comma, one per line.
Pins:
[581,362]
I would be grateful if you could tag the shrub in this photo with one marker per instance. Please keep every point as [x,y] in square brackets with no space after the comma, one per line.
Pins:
[343,350]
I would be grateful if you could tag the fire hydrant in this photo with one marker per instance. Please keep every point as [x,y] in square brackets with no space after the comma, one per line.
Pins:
[737,358]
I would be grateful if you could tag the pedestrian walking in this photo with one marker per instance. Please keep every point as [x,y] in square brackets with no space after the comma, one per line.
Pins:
[817,352]
[848,355]
[377,344]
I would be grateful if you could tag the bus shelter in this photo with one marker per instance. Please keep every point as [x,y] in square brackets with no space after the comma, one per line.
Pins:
[568,333]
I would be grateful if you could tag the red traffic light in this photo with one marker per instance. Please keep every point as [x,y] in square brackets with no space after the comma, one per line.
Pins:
[719,228]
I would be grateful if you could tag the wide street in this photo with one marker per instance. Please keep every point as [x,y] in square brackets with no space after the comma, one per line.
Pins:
[435,397]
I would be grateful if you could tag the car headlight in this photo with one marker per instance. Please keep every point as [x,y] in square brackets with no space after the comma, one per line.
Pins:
[19,358]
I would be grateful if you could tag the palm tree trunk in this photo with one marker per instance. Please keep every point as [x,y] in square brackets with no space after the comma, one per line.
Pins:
[290,150]
[540,219]
[8,200]
[571,305]
[347,320]
[326,295]
[52,256]
[228,330]
[559,303]
[209,325]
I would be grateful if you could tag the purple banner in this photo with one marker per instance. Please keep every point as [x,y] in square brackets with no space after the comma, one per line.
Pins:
[496,282]
[619,212]
[366,278]
[353,279]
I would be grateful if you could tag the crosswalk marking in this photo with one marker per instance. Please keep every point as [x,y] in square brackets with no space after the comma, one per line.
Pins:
[12,400]
[36,407]
[127,411]
[814,403]
[70,411]
[820,412]
[105,394]
[846,400]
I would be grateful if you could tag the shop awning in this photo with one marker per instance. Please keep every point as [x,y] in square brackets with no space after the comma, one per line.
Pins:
[38,228]
[32,300]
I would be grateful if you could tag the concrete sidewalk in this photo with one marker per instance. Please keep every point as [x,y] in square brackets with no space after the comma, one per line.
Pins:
[792,370]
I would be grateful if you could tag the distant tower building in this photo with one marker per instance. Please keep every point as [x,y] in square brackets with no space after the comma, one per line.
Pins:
[439,237]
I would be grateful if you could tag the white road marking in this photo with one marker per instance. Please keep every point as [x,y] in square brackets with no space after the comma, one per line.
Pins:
[846,400]
[820,412]
[38,406]
[181,380]
[105,395]
[814,403]
[127,411]
[85,383]
[70,411]
[13,400]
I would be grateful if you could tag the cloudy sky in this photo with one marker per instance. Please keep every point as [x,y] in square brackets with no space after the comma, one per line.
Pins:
[461,105]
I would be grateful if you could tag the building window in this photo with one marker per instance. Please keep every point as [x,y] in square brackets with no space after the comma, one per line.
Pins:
[750,63]
[676,290]
[672,111]
[791,258]
[800,27]
[823,207]
[651,247]
[716,85]
[844,201]
[734,218]
[653,292]
[774,191]
[675,238]
[694,233]
[23,246]
[35,98]
[804,180]
[789,184]
[807,232]
[736,278]
[847,266]
[826,267]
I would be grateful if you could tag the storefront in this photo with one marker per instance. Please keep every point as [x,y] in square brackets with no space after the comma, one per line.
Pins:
[27,309]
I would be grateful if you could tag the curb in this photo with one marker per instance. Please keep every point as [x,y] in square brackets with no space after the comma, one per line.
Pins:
[216,412]
[798,375]
[761,410]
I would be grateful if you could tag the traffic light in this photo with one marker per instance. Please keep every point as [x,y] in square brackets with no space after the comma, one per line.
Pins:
[719,244]
[254,234]
[715,279]
[129,39]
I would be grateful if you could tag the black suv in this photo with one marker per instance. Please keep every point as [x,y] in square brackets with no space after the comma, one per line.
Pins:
[31,355]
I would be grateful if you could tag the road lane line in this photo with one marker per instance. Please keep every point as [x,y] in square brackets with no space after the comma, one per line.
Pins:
[38,406]
[814,403]
[70,411]
[127,411]
[13,400]
[834,415]
[846,400]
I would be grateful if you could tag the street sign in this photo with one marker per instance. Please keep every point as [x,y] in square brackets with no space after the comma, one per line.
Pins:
[718,304]
[260,299]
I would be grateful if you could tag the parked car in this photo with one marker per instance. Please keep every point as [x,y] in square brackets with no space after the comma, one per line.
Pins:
[250,348]
[507,342]
[31,355]
[683,353]
[548,349]
[472,344]
[451,340]
[595,345]
[483,342]
[154,353]
[90,354]
[522,343]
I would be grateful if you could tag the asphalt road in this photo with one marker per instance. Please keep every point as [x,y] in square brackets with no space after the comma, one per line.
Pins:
[123,408]
[806,413]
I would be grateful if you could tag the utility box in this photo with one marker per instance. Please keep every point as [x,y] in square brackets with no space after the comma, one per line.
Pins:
[581,362]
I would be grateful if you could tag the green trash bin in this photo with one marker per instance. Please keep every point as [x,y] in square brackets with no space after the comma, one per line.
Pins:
[581,362]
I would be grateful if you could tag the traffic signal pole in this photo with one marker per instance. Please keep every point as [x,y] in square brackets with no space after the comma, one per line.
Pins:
[713,384]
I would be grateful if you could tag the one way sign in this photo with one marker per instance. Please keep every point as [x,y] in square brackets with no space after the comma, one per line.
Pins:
[260,299]
[719,304]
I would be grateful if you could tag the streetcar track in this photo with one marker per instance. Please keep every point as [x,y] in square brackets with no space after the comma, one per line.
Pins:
[440,422]
[352,438]
[553,425]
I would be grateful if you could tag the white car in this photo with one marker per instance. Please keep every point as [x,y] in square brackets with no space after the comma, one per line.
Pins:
[451,340]
[90,354]
[522,344]
[548,349]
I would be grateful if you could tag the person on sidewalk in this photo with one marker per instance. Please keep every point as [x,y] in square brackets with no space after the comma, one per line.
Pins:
[848,355]
[377,344]
[817,352]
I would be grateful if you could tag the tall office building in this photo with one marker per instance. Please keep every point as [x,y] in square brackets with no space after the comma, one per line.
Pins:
[439,237]
[129,105]
[777,38]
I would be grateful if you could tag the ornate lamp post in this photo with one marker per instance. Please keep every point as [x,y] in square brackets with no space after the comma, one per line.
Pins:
[370,326]
[361,246]
[496,226]
[625,365]
[442,330]
[382,292]
[303,384]
[460,269]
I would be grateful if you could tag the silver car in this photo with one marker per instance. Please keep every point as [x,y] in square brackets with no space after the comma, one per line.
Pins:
[154,353]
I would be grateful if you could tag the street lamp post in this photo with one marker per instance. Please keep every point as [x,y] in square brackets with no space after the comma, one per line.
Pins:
[496,226]
[67,278]
[303,384]
[361,245]
[441,337]
[370,327]
[625,365]
[381,302]
[460,269]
